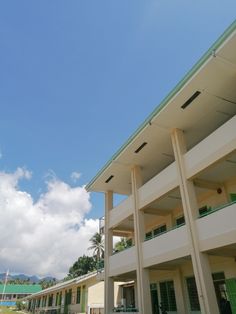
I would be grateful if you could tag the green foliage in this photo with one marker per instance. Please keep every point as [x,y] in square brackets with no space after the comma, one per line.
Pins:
[97,246]
[47,283]
[82,266]
[122,244]
[19,281]
[20,305]
[86,264]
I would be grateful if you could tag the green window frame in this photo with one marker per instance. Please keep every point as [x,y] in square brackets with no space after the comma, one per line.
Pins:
[159,230]
[233,197]
[192,294]
[50,300]
[68,297]
[180,221]
[167,293]
[78,296]
[148,235]
[204,210]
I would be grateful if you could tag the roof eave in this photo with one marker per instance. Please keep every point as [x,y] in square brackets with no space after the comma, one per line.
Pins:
[204,59]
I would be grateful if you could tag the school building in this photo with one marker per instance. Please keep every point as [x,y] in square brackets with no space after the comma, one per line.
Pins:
[177,177]
[84,294]
[10,293]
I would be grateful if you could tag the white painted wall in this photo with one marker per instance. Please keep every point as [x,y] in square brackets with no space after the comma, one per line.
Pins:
[121,212]
[217,229]
[217,145]
[162,183]
[170,245]
[122,262]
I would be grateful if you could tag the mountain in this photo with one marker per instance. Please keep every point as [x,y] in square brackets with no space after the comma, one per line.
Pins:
[23,277]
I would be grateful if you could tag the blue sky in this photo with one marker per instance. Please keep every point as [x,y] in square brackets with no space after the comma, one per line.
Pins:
[78,77]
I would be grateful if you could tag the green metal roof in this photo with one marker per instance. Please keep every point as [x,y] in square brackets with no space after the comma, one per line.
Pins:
[166,100]
[20,289]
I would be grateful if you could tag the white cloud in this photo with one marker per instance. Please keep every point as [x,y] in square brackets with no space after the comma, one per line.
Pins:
[47,236]
[75,176]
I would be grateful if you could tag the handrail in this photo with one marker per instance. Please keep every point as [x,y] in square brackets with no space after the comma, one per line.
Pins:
[125,310]
[212,210]
[161,233]
[126,248]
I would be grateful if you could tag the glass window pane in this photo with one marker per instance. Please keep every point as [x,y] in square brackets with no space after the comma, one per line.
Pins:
[192,294]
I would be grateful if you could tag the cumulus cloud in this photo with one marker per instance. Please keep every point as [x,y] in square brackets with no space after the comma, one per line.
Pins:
[75,176]
[46,236]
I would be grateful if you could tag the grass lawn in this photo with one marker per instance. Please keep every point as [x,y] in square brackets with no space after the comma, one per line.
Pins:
[5,310]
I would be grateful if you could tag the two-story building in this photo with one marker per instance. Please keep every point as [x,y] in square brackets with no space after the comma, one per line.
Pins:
[177,177]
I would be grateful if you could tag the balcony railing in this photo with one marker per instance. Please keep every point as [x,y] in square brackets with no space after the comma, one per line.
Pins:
[125,310]
[213,210]
[123,249]
[152,235]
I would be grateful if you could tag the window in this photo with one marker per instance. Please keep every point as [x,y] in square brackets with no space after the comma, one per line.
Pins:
[68,296]
[192,294]
[60,298]
[218,276]
[180,221]
[57,298]
[233,197]
[50,300]
[78,295]
[148,235]
[167,292]
[203,210]
[159,230]
[44,301]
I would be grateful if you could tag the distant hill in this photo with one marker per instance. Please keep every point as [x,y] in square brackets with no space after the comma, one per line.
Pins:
[31,279]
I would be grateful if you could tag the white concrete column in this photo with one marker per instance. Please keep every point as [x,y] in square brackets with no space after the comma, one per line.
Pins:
[201,267]
[179,293]
[143,283]
[109,282]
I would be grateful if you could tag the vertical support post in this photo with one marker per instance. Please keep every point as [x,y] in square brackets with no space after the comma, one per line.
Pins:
[109,282]
[143,284]
[201,267]
[179,292]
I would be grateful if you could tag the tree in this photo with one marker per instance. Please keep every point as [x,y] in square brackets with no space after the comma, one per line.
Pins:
[20,305]
[121,245]
[46,283]
[97,246]
[82,266]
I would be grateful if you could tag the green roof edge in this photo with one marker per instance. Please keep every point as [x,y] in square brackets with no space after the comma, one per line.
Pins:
[172,93]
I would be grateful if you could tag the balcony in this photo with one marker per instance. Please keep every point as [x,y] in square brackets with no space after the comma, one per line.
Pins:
[121,212]
[122,262]
[166,246]
[217,227]
[213,148]
[152,190]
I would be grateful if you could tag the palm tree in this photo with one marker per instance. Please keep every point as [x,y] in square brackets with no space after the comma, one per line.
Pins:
[97,246]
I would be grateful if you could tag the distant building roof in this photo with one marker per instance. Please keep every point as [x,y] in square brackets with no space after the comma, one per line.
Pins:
[20,289]
[64,284]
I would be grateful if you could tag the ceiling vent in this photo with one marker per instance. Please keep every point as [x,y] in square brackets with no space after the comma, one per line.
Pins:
[140,147]
[109,179]
[191,99]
